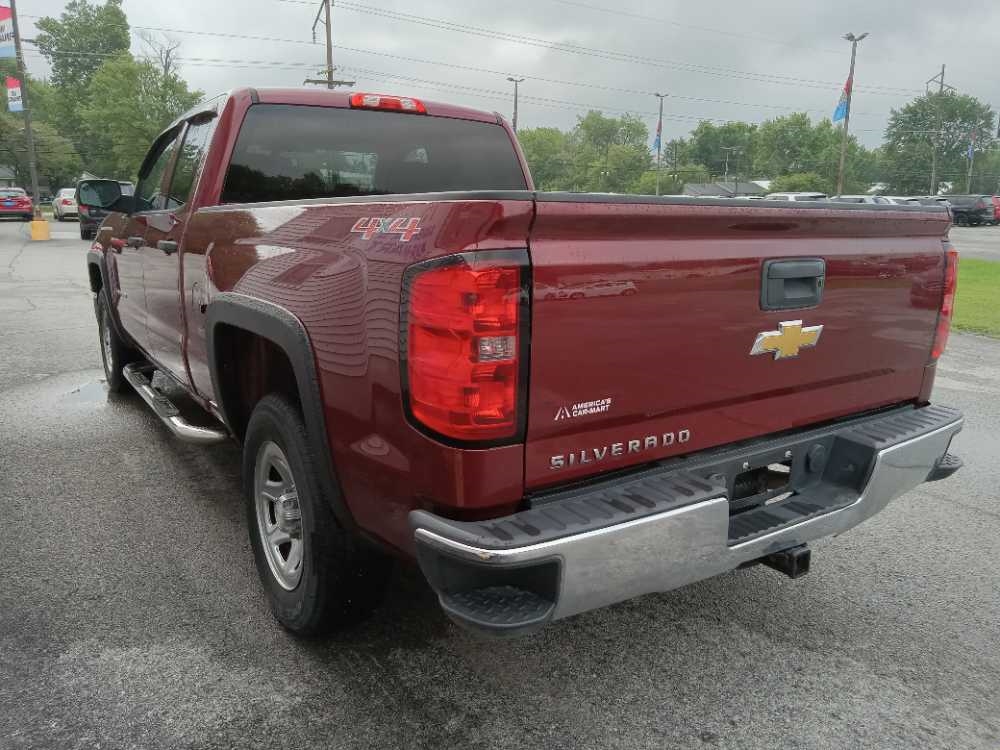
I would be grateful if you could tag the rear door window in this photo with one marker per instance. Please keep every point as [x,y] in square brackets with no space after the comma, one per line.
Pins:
[291,152]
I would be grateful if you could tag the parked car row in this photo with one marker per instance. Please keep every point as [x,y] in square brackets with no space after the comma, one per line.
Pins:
[966,210]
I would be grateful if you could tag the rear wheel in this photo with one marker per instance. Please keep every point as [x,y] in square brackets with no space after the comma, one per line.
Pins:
[317,575]
[84,233]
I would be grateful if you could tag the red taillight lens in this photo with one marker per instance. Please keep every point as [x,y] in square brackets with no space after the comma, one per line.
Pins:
[464,323]
[84,210]
[392,103]
[947,303]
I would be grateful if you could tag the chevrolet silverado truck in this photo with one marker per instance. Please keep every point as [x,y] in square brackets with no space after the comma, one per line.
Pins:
[357,289]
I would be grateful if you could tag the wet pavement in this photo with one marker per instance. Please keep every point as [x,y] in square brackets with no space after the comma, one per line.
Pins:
[977,242]
[130,613]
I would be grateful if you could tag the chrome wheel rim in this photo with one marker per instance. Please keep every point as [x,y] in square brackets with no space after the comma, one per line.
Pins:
[279,521]
[106,345]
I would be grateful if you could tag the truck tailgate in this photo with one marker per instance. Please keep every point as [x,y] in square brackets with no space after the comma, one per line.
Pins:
[644,315]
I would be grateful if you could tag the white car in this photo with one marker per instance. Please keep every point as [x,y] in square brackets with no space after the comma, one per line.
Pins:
[796,197]
[591,289]
[64,204]
[871,200]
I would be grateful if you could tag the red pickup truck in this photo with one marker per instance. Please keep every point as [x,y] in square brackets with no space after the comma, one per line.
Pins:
[367,294]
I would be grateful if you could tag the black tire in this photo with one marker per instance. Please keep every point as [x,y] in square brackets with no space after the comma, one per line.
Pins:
[84,234]
[342,579]
[115,353]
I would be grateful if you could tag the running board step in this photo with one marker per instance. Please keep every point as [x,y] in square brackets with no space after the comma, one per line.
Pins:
[165,409]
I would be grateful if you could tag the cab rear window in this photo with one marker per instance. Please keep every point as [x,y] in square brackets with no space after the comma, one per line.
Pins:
[292,152]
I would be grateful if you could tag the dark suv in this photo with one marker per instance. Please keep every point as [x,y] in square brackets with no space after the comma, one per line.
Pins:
[89,208]
[972,210]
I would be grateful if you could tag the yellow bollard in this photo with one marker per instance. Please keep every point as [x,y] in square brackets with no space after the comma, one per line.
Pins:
[40,230]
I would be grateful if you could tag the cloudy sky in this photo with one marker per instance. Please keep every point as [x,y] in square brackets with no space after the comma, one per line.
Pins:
[717,60]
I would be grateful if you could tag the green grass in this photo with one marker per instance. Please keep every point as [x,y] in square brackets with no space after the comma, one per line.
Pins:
[977,304]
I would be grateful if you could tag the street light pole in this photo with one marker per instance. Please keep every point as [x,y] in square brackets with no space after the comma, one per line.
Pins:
[28,133]
[515,81]
[854,40]
[659,139]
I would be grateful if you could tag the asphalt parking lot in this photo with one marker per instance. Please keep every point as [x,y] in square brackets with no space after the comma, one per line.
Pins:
[130,613]
[977,242]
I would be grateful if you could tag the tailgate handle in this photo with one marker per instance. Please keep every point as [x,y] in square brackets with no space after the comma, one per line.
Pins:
[792,284]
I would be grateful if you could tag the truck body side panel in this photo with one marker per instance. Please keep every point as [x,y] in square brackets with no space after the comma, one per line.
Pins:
[346,291]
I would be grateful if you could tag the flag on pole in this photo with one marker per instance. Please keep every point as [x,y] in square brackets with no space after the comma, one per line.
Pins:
[6,30]
[659,130]
[972,145]
[14,103]
[841,111]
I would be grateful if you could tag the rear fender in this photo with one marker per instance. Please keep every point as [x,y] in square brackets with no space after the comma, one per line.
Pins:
[283,329]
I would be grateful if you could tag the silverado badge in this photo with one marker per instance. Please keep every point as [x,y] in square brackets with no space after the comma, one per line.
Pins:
[786,342]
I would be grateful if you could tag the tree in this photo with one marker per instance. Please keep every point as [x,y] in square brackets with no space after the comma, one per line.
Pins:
[671,181]
[792,145]
[58,161]
[802,182]
[946,122]
[708,144]
[164,49]
[77,44]
[129,103]
[608,154]
[548,151]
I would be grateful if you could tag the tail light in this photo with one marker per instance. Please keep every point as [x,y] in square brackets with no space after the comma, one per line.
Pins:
[392,103]
[84,210]
[947,303]
[66,202]
[464,343]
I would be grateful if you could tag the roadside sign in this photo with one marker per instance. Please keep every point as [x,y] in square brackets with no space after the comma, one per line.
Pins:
[6,30]
[14,103]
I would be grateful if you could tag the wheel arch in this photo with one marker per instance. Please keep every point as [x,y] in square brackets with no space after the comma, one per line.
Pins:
[230,315]
[97,273]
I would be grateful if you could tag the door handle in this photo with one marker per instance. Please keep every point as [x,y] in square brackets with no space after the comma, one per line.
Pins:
[167,246]
[134,242]
[791,284]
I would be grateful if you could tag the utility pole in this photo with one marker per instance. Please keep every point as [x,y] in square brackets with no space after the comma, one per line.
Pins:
[725,179]
[854,40]
[972,159]
[936,143]
[659,138]
[329,81]
[28,133]
[515,81]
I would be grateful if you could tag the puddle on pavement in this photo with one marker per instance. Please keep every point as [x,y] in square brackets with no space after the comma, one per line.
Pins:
[94,393]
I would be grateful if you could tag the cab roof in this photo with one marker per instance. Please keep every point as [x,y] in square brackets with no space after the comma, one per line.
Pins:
[319,97]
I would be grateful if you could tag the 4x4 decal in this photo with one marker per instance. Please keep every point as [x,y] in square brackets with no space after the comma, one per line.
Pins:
[369,226]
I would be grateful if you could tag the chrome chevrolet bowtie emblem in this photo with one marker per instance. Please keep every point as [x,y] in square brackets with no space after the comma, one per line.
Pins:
[786,342]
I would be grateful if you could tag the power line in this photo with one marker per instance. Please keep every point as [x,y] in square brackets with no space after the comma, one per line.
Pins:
[439,85]
[599,53]
[284,64]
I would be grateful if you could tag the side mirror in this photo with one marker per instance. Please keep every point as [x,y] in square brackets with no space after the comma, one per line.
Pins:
[106,194]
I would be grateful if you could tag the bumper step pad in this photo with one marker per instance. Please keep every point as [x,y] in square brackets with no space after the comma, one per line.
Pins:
[498,609]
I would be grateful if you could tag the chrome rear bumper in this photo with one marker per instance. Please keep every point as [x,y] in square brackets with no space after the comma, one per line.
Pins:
[564,571]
